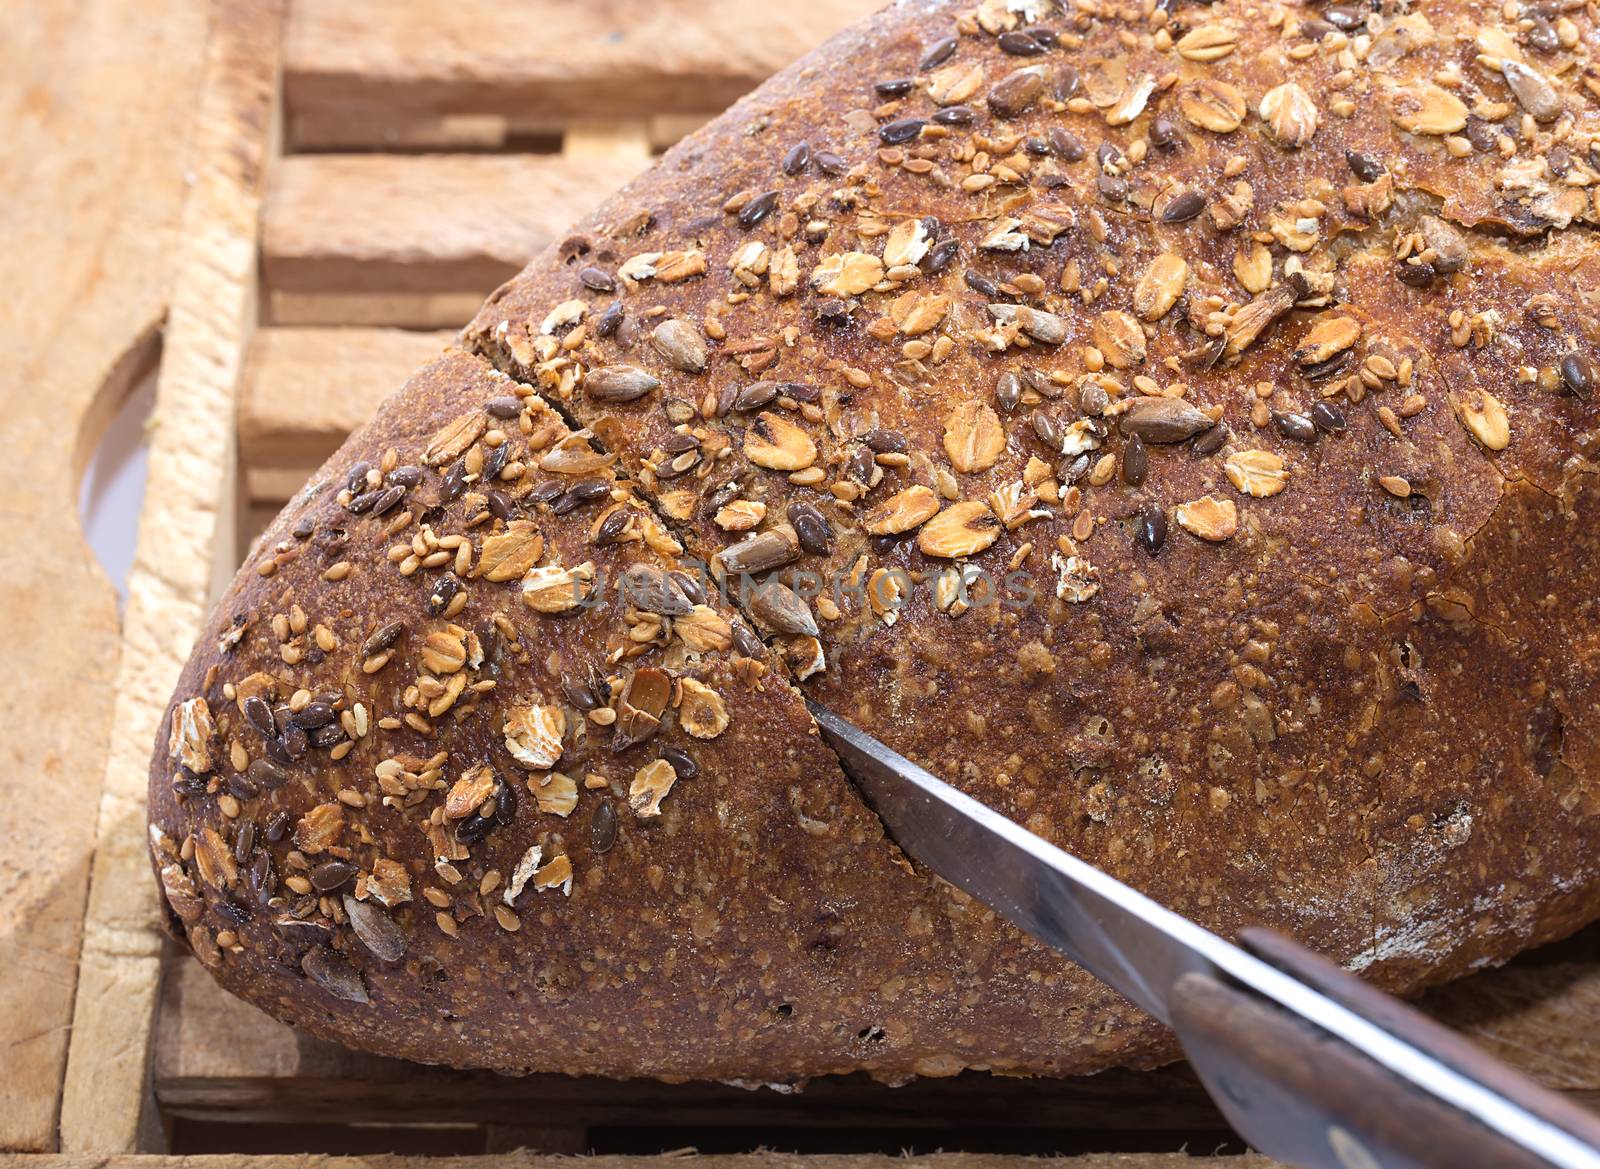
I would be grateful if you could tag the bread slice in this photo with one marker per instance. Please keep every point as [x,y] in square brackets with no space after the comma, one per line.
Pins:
[1174,428]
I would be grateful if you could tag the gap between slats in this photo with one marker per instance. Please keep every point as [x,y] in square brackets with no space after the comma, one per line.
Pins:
[357,76]
[419,240]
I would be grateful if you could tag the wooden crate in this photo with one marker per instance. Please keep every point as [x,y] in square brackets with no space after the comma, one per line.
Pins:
[291,203]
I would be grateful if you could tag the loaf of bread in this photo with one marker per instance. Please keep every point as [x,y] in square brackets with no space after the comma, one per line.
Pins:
[1173,424]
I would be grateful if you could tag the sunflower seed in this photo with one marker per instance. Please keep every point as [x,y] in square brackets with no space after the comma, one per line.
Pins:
[618,383]
[779,610]
[1164,420]
[1533,90]
[681,343]
[1036,323]
[773,548]
[334,975]
[647,587]
[376,930]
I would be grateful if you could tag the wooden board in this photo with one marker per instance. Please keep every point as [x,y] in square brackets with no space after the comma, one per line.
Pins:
[304,390]
[526,130]
[1537,1013]
[91,181]
[581,96]
[217,1058]
[681,1160]
[370,72]
[186,547]
[417,240]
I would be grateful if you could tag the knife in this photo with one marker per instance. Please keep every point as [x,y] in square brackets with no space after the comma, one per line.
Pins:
[1308,1063]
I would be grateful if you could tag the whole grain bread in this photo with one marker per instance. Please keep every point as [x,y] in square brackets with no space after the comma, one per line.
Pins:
[1173,424]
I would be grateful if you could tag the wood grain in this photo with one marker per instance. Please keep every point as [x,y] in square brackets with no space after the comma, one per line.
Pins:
[405,310]
[522,1159]
[1537,1017]
[304,390]
[343,128]
[342,230]
[376,68]
[185,547]
[91,168]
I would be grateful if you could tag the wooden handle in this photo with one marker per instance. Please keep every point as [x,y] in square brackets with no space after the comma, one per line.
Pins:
[1297,1093]
[1399,1019]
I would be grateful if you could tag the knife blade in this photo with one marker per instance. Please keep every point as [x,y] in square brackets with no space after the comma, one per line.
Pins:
[1281,1013]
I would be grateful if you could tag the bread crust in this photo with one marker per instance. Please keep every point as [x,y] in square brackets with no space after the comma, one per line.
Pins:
[1268,385]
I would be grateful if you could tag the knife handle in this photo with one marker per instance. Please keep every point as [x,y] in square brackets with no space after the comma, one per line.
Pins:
[1295,1092]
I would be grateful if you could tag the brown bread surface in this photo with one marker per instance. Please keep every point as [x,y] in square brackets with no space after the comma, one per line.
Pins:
[1242,355]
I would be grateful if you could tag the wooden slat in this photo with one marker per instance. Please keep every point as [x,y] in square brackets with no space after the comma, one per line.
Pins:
[619,139]
[267,489]
[522,1159]
[217,1057]
[377,68]
[1537,1014]
[305,390]
[348,129]
[220,1059]
[95,99]
[405,310]
[185,545]
[413,236]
